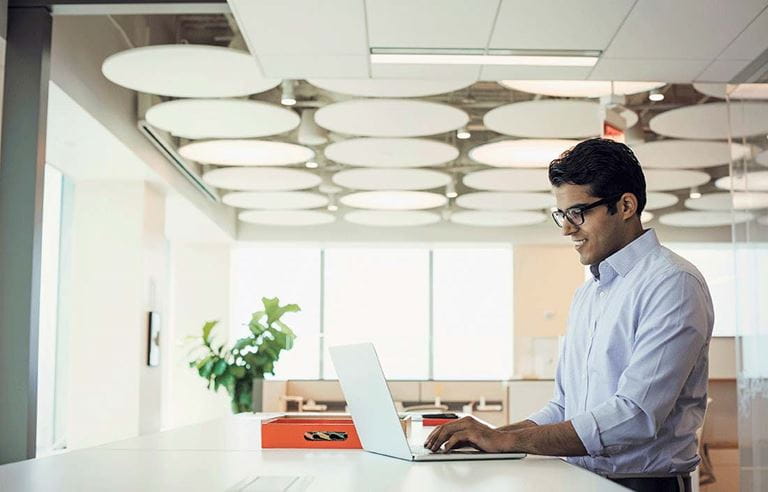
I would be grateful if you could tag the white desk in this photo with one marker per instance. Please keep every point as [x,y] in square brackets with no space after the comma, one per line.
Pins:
[216,456]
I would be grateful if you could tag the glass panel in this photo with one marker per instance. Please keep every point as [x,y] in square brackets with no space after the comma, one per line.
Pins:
[472,309]
[750,244]
[49,302]
[379,296]
[293,275]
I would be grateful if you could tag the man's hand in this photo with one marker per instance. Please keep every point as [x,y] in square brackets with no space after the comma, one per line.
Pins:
[467,432]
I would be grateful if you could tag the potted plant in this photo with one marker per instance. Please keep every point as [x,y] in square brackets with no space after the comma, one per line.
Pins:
[241,369]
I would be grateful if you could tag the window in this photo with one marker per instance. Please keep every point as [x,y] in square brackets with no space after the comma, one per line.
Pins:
[444,313]
[292,275]
[379,296]
[472,313]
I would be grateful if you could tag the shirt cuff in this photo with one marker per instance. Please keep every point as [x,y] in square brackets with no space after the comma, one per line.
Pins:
[587,430]
[544,417]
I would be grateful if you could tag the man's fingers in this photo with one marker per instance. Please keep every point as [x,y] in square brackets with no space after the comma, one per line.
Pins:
[440,434]
[456,439]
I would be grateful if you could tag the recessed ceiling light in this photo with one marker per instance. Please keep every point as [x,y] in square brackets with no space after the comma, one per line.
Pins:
[311,165]
[462,133]
[656,95]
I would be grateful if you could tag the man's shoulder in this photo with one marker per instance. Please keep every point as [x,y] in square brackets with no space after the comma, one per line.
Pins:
[664,264]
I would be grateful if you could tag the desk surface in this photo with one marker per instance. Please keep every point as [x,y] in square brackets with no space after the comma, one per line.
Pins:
[222,455]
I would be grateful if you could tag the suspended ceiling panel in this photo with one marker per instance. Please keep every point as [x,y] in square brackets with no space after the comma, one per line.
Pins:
[648,69]
[682,29]
[416,71]
[302,38]
[532,24]
[427,24]
[723,70]
[751,42]
[501,72]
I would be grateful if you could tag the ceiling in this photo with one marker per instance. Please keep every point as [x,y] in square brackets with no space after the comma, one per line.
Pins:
[639,41]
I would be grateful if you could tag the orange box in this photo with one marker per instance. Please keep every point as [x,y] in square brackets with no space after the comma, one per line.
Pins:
[297,431]
[291,431]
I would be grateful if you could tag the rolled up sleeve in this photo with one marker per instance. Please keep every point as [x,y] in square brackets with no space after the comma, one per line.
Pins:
[672,332]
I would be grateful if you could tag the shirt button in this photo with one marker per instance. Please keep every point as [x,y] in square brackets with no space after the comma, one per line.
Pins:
[602,293]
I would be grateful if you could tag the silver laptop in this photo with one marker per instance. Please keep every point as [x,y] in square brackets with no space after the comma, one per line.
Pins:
[374,414]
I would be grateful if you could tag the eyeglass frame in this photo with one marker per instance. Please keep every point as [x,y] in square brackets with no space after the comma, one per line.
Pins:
[581,209]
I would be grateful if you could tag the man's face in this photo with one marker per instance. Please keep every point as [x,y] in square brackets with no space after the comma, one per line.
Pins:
[601,233]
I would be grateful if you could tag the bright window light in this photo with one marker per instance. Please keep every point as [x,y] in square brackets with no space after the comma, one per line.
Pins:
[379,295]
[473,332]
[293,275]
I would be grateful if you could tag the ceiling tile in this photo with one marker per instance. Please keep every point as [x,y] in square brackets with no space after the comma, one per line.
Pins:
[532,24]
[322,66]
[413,71]
[516,72]
[683,71]
[682,29]
[722,70]
[751,42]
[427,24]
[302,27]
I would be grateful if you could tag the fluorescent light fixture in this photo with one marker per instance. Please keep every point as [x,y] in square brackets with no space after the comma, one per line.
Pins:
[482,57]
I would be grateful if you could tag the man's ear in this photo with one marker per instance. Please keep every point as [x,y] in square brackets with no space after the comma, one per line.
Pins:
[627,205]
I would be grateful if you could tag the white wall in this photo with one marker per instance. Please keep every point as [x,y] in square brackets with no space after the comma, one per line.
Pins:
[199,291]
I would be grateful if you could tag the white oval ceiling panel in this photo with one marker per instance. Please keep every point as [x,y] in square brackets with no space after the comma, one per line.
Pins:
[292,218]
[734,91]
[705,219]
[390,118]
[246,152]
[673,179]
[579,88]
[261,179]
[221,118]
[741,200]
[391,152]
[274,200]
[394,200]
[754,181]
[497,219]
[547,118]
[655,200]
[391,179]
[711,121]
[505,200]
[392,218]
[646,217]
[687,154]
[187,70]
[508,180]
[520,153]
[390,87]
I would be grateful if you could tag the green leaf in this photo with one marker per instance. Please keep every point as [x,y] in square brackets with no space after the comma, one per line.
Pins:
[244,342]
[220,367]
[205,371]
[207,327]
[237,372]
[284,328]
[275,311]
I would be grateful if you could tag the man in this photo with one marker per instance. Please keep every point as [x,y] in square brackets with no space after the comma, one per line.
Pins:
[631,383]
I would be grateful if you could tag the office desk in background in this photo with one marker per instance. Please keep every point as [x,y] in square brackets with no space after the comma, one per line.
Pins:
[225,454]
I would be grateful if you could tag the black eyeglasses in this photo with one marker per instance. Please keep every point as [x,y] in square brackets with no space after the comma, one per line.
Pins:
[575,215]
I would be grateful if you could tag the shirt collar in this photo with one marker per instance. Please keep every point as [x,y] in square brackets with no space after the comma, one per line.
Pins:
[622,261]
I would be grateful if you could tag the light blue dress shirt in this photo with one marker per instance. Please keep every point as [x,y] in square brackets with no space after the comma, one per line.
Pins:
[632,375]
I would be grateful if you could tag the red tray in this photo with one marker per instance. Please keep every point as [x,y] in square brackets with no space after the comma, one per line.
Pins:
[289,432]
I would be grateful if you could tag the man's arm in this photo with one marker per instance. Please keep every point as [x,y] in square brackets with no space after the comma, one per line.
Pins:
[517,426]
[554,440]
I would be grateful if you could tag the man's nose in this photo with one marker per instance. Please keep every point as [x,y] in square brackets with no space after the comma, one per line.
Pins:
[569,228]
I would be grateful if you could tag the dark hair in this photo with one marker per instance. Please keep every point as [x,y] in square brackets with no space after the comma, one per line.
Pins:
[609,168]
